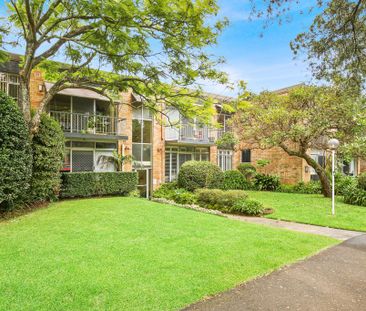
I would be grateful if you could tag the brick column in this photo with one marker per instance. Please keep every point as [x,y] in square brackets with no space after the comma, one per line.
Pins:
[125,112]
[36,88]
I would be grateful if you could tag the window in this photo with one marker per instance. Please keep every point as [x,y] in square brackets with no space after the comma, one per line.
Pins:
[88,156]
[141,135]
[176,156]
[10,84]
[225,159]
[82,161]
[319,157]
[246,156]
[350,168]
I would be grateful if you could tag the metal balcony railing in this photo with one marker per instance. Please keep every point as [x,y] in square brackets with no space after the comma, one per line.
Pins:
[189,132]
[87,123]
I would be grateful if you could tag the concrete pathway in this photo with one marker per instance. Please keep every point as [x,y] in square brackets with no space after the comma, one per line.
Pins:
[334,279]
[330,232]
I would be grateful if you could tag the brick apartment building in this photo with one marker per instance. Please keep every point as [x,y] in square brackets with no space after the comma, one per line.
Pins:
[94,127]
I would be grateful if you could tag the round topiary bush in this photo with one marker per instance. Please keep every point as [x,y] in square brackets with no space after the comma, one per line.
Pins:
[48,154]
[200,174]
[15,154]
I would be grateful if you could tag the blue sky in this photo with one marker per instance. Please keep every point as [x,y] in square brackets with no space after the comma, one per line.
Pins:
[265,63]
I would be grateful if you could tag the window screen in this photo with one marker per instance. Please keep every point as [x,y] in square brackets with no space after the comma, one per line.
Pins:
[82,161]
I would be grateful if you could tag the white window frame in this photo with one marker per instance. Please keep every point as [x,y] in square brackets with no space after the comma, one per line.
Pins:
[225,159]
[6,81]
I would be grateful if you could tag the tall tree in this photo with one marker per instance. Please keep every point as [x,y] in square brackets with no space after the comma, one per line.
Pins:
[301,120]
[154,47]
[335,43]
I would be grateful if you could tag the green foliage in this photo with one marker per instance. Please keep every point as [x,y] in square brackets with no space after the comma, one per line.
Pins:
[262,163]
[266,182]
[118,159]
[15,154]
[312,187]
[343,183]
[156,48]
[200,174]
[48,154]
[234,180]
[247,207]
[182,196]
[297,121]
[247,169]
[333,44]
[218,199]
[166,190]
[227,141]
[355,196]
[87,184]
[170,191]
[361,181]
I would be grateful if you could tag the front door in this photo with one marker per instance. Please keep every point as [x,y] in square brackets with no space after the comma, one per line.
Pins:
[144,182]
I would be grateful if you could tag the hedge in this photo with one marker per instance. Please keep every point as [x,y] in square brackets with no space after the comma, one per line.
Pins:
[87,184]
[234,180]
[200,174]
[48,154]
[15,154]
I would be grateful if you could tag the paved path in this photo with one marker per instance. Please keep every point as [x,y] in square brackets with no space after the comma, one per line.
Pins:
[330,232]
[334,279]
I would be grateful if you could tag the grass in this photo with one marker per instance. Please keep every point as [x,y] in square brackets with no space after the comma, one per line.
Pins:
[312,209]
[133,254]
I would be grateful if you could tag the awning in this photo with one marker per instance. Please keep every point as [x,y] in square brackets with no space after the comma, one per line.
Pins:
[80,92]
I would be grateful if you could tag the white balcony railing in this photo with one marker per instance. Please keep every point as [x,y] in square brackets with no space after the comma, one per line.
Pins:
[87,123]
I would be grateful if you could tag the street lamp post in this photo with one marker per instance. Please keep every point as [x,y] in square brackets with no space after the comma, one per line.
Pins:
[333,144]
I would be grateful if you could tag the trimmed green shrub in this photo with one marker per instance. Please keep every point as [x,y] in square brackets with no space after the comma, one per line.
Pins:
[15,154]
[200,174]
[361,181]
[48,153]
[247,207]
[234,180]
[266,182]
[87,184]
[219,199]
[343,182]
[355,196]
[247,169]
[312,187]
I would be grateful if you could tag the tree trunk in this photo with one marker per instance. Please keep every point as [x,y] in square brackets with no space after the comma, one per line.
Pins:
[324,181]
[326,187]
[24,99]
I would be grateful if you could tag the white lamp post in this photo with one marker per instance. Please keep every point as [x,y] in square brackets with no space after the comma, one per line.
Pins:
[333,144]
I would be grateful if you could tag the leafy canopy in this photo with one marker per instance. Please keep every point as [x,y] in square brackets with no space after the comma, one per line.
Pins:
[334,44]
[154,47]
[301,118]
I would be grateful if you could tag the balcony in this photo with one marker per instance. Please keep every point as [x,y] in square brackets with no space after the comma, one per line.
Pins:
[79,123]
[189,133]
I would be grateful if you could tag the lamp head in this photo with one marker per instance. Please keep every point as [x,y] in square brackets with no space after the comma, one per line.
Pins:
[333,144]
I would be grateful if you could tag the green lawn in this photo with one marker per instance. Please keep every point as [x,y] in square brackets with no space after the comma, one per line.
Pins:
[312,209]
[132,254]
